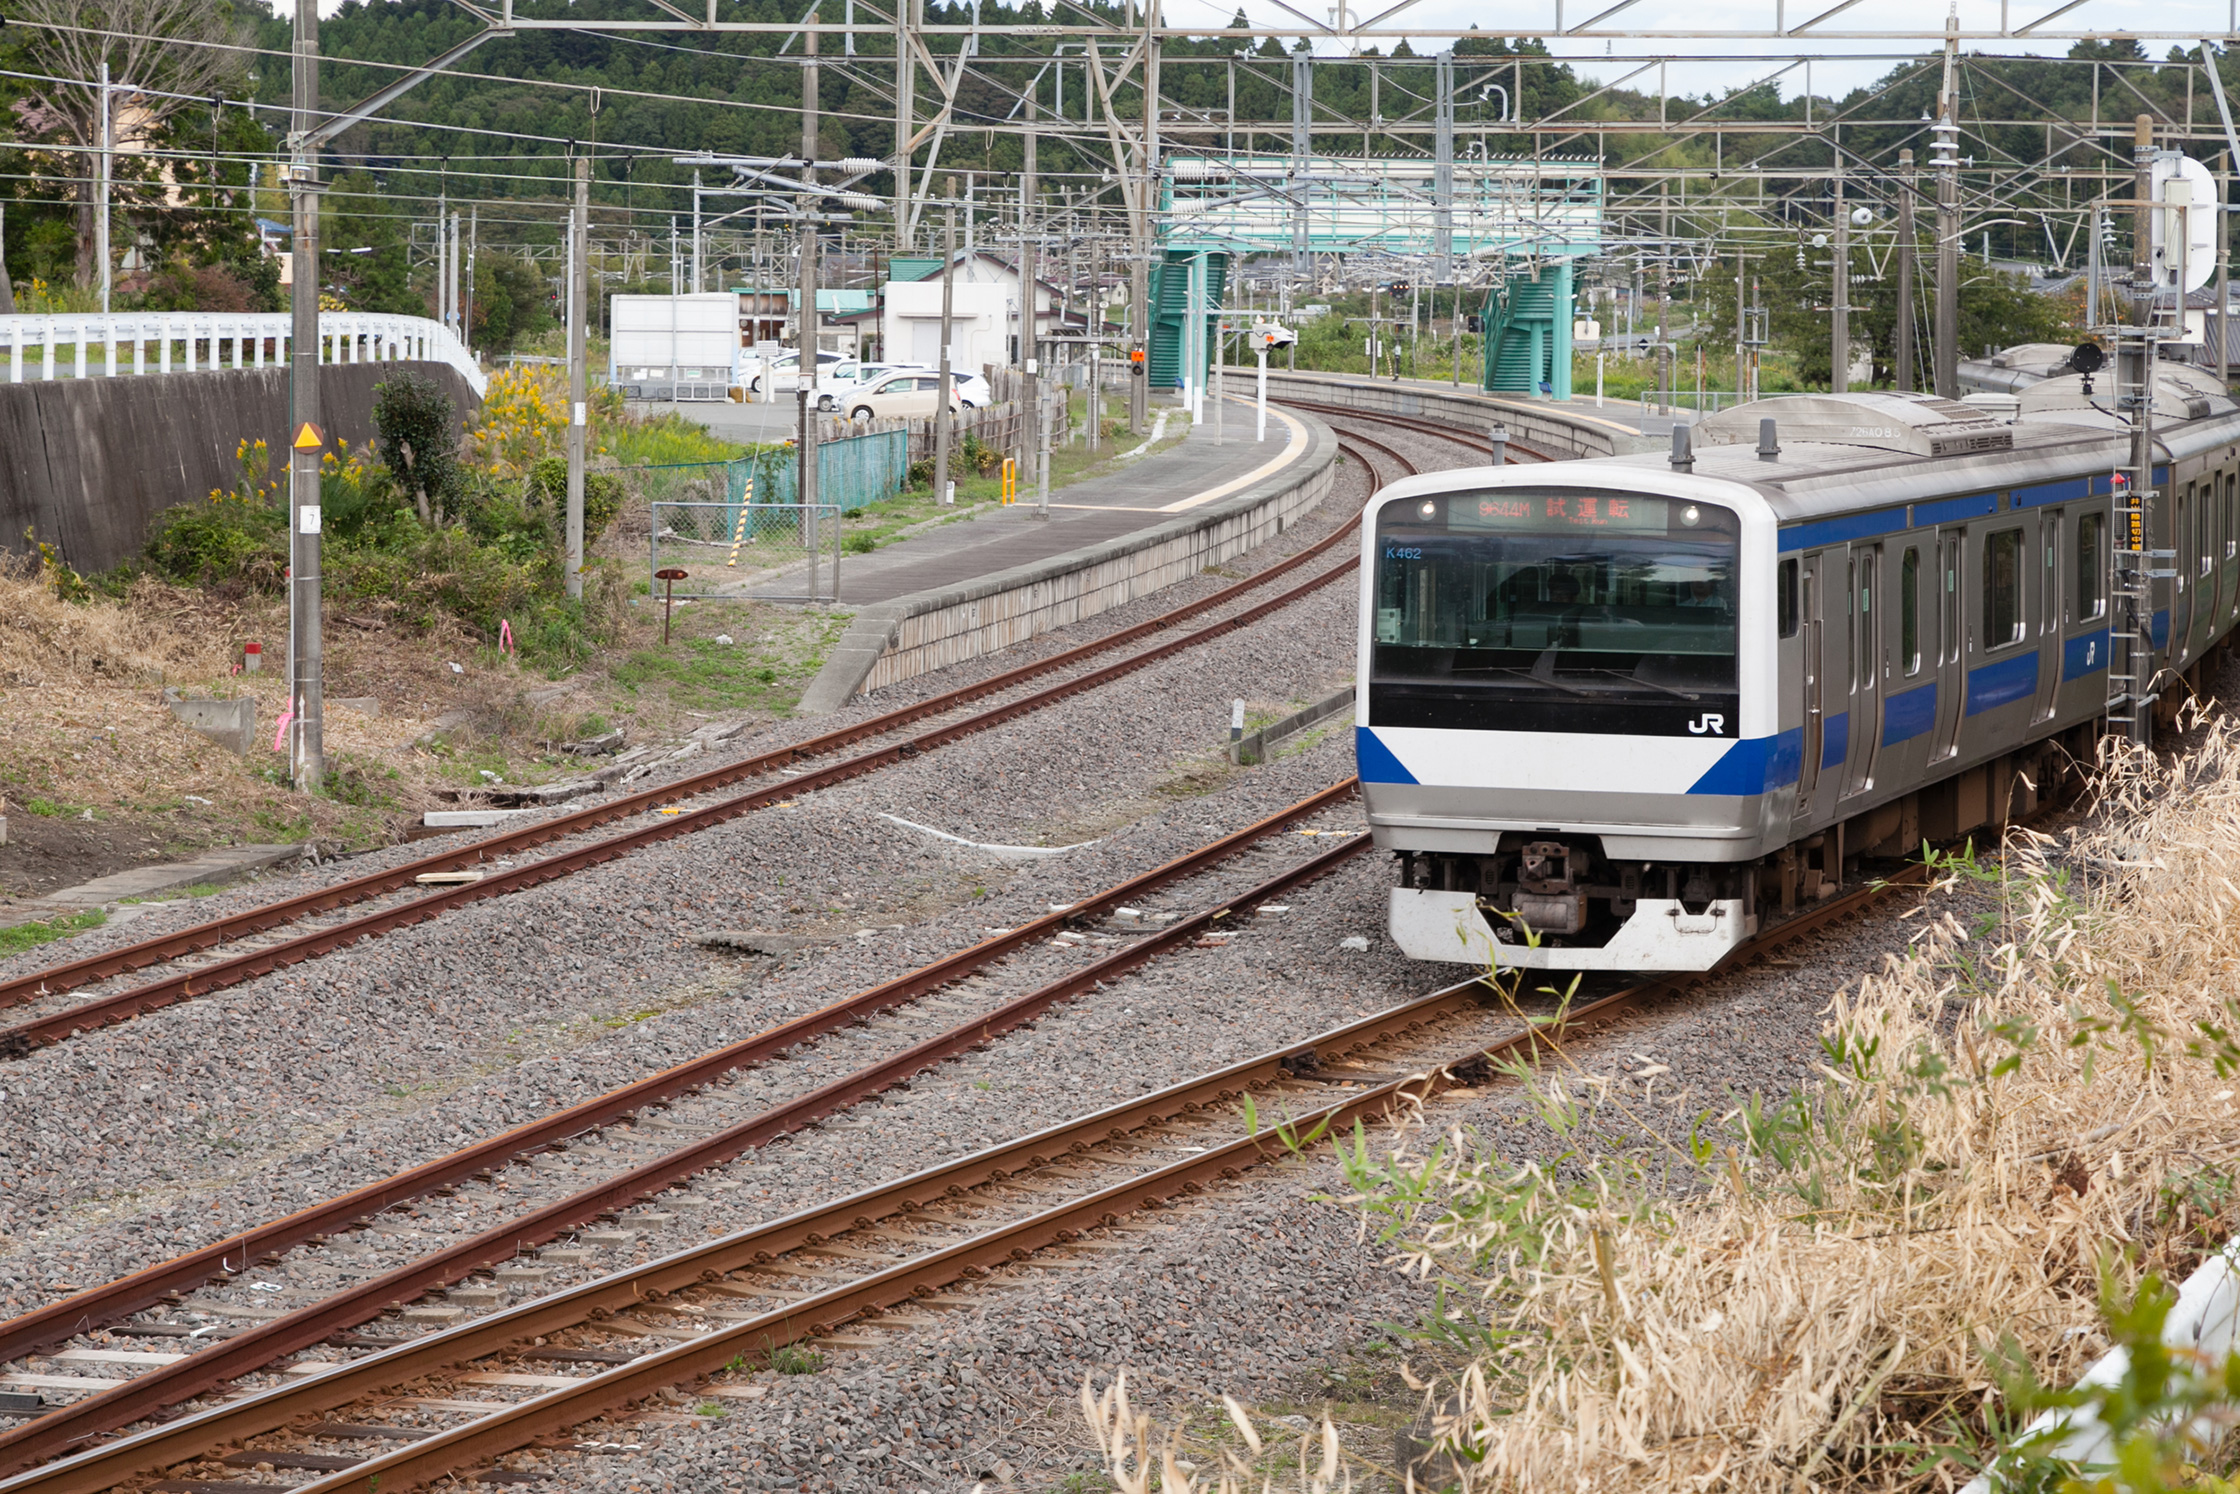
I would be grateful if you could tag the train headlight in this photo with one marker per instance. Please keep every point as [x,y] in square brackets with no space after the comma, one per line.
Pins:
[1430,508]
[1690,516]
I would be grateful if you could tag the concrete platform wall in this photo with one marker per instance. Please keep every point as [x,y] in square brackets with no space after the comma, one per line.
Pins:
[898,640]
[1563,430]
[85,464]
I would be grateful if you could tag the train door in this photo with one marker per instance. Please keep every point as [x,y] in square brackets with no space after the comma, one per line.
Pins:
[1865,705]
[1951,645]
[2051,601]
[1814,653]
[2184,539]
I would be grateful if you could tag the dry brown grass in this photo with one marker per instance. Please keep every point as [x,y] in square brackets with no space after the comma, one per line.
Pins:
[2002,1117]
[1838,1298]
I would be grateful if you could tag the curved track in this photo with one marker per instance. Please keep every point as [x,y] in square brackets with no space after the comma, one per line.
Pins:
[879,1257]
[188,981]
[180,1377]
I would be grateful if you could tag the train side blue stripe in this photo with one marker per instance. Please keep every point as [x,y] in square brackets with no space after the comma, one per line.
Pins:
[1955,510]
[1786,763]
[1374,762]
[2085,655]
[2162,628]
[1909,714]
[2050,492]
[1754,765]
[1835,739]
[2003,683]
[1840,530]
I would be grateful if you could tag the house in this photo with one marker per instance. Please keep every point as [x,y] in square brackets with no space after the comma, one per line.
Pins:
[984,309]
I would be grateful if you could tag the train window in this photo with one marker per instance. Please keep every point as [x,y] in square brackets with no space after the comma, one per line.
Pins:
[2205,526]
[2002,588]
[1909,612]
[1786,600]
[2092,579]
[2231,516]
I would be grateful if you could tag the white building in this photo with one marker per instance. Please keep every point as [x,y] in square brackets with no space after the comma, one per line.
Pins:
[983,317]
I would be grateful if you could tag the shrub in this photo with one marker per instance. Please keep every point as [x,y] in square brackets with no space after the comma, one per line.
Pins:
[418,430]
[602,497]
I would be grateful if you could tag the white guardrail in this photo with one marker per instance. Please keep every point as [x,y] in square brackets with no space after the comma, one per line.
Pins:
[220,339]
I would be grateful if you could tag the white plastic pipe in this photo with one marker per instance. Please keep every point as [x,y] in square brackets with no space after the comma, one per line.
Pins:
[2205,1322]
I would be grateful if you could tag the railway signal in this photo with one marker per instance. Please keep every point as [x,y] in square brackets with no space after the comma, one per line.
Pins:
[1266,335]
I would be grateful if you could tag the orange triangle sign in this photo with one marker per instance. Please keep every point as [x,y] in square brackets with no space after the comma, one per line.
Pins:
[308,437]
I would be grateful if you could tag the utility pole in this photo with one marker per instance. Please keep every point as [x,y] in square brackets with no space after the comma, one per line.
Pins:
[1741,329]
[2225,290]
[105,166]
[579,392]
[805,379]
[1839,317]
[306,704]
[1031,438]
[1902,355]
[1944,152]
[906,14]
[466,308]
[943,488]
[696,239]
[2142,235]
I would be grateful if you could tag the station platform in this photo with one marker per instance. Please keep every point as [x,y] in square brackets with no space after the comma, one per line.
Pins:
[1142,494]
[958,591]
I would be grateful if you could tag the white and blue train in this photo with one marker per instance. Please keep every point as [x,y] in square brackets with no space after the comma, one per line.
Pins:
[1637,704]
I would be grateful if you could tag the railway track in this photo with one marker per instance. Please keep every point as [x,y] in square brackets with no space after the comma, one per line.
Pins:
[403,902]
[410,1410]
[1426,427]
[248,1347]
[113,1304]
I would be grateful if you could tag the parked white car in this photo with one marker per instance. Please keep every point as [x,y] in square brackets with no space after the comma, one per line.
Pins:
[904,392]
[847,376]
[783,376]
[973,389]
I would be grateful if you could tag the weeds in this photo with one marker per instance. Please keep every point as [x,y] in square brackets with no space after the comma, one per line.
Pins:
[25,936]
[793,1359]
[1892,1279]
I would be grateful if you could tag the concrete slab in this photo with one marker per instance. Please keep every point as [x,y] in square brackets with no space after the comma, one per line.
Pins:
[469,819]
[225,864]
[232,724]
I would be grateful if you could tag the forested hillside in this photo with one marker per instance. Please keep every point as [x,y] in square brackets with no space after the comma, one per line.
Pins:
[498,131]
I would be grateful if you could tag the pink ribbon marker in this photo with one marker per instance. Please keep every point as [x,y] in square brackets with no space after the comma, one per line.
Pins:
[280,736]
[505,637]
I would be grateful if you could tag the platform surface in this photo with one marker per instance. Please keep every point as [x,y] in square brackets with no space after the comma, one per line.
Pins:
[1149,491]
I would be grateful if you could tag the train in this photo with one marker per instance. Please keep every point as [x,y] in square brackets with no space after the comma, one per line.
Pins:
[1617,713]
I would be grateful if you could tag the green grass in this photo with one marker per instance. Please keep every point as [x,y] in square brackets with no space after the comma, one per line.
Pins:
[792,1359]
[46,808]
[31,935]
[699,674]
[197,889]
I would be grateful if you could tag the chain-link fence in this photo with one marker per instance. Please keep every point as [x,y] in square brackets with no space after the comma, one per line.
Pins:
[776,552]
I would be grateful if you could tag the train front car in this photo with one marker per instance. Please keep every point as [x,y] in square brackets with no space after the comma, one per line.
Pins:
[1567,710]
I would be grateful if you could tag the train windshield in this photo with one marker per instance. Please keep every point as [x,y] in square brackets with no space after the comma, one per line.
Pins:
[1554,609]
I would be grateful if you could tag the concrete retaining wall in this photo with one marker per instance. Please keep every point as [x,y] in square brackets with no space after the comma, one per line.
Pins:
[1562,429]
[85,464]
[909,636]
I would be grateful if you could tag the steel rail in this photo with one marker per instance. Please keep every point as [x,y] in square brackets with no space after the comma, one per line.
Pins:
[24,1037]
[1460,436]
[511,1427]
[19,990]
[134,1400]
[108,1303]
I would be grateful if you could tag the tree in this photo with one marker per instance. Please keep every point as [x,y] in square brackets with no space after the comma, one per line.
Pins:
[162,56]
[417,431]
